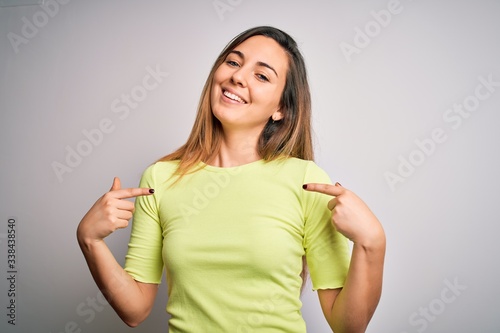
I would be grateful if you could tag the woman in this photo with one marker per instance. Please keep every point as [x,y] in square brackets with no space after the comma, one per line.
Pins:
[238,212]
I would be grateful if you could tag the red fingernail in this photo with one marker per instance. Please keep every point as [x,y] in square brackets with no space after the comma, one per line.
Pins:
[151,190]
[304,186]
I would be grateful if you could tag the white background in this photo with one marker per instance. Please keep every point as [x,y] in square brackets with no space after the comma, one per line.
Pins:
[371,106]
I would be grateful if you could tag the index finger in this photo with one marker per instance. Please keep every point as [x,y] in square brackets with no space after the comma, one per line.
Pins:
[324,188]
[131,192]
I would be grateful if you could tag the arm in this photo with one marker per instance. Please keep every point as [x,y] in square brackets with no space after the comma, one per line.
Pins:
[349,309]
[131,300]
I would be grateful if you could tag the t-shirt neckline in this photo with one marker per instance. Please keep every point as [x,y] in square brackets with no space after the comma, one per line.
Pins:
[213,168]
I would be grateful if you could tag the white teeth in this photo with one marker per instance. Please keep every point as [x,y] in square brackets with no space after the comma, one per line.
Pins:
[233,97]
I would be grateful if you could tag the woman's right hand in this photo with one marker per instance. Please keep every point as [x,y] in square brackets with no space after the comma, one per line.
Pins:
[110,212]
[132,300]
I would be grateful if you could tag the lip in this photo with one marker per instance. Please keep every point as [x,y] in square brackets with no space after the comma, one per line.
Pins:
[234,93]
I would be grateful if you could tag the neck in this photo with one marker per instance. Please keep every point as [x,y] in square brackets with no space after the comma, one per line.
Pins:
[237,148]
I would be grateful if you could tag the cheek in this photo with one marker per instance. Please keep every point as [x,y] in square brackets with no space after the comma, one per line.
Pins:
[220,73]
[215,83]
[271,97]
[213,94]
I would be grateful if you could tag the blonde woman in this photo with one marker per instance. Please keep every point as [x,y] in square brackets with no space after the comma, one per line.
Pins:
[240,214]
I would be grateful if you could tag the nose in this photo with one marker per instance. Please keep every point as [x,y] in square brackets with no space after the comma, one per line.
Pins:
[239,77]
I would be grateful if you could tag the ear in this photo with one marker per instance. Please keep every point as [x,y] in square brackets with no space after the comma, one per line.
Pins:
[277,115]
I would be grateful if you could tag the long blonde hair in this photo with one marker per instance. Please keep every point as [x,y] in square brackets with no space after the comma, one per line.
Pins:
[288,137]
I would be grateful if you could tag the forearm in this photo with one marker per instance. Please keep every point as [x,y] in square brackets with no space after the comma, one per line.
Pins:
[356,303]
[121,291]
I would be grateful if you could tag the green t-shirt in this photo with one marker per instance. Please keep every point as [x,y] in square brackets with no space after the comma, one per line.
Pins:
[232,241]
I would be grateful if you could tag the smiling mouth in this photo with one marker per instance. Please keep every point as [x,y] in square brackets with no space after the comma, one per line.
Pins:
[233,97]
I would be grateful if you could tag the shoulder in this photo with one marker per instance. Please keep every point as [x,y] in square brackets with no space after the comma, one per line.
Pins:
[161,170]
[308,170]
[163,167]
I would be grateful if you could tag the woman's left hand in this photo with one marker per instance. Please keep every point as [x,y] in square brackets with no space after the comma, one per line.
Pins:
[351,216]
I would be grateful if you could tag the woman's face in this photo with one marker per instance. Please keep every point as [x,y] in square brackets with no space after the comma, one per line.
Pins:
[248,85]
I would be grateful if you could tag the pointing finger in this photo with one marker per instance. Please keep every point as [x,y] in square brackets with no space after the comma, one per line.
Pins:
[116,184]
[120,193]
[324,188]
[132,192]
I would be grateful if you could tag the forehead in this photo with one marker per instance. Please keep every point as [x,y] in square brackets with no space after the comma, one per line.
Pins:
[264,49]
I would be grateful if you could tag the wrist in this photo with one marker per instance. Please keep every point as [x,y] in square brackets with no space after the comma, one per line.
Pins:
[87,243]
[376,242]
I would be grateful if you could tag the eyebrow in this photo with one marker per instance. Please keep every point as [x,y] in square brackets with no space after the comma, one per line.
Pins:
[259,63]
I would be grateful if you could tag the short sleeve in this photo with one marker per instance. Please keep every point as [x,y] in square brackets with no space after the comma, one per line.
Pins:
[144,258]
[327,251]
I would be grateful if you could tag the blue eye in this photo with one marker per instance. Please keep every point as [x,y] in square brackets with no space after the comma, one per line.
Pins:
[232,63]
[262,77]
